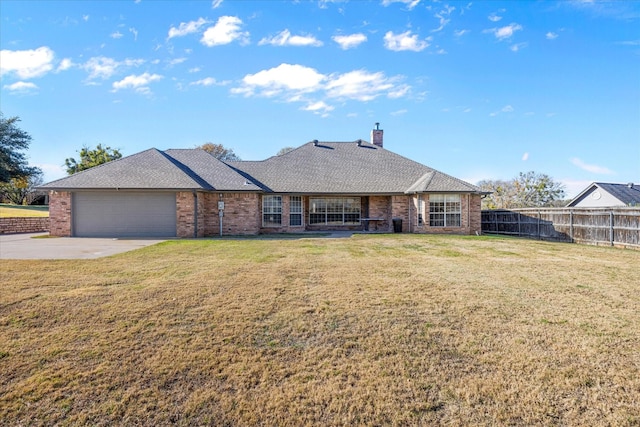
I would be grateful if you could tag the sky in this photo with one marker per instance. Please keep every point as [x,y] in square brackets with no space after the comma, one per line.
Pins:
[476,89]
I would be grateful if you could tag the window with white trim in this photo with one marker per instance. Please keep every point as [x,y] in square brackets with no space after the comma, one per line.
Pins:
[444,210]
[295,211]
[334,210]
[271,211]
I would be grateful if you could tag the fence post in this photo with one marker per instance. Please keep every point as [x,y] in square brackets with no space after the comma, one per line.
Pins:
[519,232]
[611,228]
[539,216]
[571,224]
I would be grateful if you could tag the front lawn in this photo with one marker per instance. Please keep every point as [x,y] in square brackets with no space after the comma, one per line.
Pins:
[369,330]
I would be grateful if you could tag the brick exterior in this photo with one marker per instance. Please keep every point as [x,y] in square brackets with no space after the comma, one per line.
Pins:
[60,213]
[470,220]
[24,225]
[380,207]
[243,215]
[400,209]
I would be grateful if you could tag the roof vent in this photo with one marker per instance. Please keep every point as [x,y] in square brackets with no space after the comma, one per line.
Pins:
[315,142]
[630,185]
[359,143]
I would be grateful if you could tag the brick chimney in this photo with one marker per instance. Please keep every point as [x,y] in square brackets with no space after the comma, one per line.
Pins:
[376,135]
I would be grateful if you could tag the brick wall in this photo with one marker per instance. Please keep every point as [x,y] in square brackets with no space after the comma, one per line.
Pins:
[380,207]
[241,214]
[400,209]
[470,220]
[60,213]
[185,219]
[24,225]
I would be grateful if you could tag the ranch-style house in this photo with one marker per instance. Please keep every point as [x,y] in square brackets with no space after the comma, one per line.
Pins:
[319,186]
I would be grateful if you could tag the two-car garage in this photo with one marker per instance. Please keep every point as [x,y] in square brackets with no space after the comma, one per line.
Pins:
[123,214]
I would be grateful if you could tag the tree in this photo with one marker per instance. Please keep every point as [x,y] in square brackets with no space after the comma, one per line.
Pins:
[527,190]
[21,190]
[219,151]
[90,158]
[13,140]
[537,189]
[284,150]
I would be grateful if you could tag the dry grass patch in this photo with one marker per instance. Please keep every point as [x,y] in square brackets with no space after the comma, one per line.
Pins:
[372,330]
[15,211]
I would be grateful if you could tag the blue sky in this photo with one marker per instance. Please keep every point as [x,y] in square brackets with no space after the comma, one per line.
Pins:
[476,89]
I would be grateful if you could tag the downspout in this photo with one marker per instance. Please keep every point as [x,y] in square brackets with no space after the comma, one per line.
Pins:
[410,203]
[195,214]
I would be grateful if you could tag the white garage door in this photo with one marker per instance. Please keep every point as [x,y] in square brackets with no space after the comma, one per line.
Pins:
[124,214]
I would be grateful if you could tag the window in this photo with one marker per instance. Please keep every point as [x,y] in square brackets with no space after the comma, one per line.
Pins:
[334,210]
[295,211]
[271,211]
[444,210]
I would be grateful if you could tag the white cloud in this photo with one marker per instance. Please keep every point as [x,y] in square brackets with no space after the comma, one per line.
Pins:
[284,77]
[26,64]
[65,64]
[226,30]
[216,4]
[134,32]
[21,87]
[208,81]
[399,112]
[138,83]
[504,32]
[186,28]
[318,107]
[103,67]
[195,70]
[404,41]
[410,3]
[177,61]
[85,18]
[494,18]
[525,157]
[350,41]
[551,36]
[284,38]
[507,109]
[360,85]
[116,35]
[516,47]
[443,17]
[297,83]
[600,170]
[460,33]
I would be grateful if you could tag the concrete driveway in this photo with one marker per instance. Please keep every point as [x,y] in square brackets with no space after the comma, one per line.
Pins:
[24,246]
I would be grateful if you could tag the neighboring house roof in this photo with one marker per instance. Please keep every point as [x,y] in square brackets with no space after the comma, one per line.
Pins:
[192,169]
[347,168]
[316,167]
[622,194]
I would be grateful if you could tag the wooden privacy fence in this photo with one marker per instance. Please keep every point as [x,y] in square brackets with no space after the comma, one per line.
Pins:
[594,226]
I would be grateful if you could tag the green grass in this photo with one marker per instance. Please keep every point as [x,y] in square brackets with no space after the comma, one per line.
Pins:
[11,211]
[371,330]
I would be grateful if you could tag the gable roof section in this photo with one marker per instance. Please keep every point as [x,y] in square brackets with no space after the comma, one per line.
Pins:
[627,194]
[157,170]
[323,168]
[215,174]
[347,168]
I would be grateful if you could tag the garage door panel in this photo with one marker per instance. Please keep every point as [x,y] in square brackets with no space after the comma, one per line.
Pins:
[123,214]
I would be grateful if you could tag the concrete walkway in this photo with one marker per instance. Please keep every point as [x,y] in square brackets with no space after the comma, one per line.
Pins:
[25,246]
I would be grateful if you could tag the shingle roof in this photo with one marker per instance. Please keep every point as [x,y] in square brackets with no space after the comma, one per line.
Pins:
[348,168]
[323,168]
[192,169]
[627,194]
